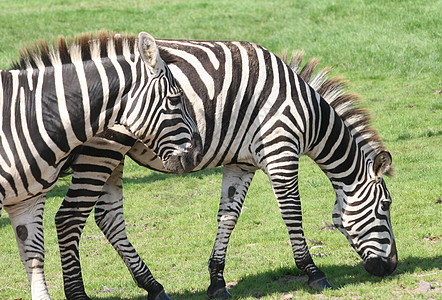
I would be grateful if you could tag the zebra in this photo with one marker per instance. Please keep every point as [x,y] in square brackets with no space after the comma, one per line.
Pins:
[58,96]
[253,112]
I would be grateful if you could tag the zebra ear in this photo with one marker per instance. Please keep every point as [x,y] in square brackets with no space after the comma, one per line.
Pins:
[382,163]
[149,51]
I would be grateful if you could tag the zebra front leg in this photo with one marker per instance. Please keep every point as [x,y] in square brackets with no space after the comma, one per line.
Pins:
[27,221]
[236,181]
[109,217]
[285,187]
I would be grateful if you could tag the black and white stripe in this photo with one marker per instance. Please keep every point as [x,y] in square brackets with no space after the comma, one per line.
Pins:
[59,97]
[254,112]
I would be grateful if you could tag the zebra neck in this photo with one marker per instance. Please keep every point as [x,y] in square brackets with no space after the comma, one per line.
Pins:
[336,150]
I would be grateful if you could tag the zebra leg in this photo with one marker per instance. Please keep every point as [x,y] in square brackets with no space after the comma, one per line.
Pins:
[109,217]
[236,181]
[95,163]
[285,187]
[70,220]
[88,178]
[27,221]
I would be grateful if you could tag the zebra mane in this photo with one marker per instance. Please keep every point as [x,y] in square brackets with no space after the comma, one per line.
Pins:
[64,50]
[346,105]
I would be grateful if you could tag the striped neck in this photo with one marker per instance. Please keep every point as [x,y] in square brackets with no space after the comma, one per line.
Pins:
[335,150]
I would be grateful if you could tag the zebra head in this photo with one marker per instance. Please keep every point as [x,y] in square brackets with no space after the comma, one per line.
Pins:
[362,214]
[166,128]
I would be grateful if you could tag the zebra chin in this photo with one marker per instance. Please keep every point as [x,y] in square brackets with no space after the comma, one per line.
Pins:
[186,160]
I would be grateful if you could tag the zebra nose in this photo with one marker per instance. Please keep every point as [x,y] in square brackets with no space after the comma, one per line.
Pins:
[380,266]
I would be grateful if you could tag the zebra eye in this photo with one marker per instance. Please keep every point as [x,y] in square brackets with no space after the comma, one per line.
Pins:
[385,205]
[174,100]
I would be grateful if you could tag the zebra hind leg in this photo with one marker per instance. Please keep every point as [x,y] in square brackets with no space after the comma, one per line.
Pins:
[110,219]
[27,221]
[70,220]
[236,181]
[91,169]
[285,187]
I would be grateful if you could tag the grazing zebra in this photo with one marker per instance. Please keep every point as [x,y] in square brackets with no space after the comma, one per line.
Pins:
[59,96]
[254,112]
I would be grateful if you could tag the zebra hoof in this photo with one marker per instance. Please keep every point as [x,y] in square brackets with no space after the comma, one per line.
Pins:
[160,296]
[319,284]
[221,293]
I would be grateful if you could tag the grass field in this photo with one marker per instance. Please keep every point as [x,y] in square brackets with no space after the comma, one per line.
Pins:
[391,53]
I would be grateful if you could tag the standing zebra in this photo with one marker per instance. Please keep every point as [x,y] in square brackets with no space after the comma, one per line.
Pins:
[254,112]
[60,96]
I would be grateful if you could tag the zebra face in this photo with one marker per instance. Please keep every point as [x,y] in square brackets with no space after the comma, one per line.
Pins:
[179,155]
[177,141]
[362,214]
[167,128]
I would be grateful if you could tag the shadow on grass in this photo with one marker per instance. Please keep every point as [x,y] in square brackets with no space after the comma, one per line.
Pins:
[287,280]
[62,186]
[157,176]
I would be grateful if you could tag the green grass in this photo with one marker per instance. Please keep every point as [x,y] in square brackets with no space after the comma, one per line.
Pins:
[391,53]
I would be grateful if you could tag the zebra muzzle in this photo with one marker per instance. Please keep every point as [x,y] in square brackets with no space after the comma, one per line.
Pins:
[187,159]
[381,266]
